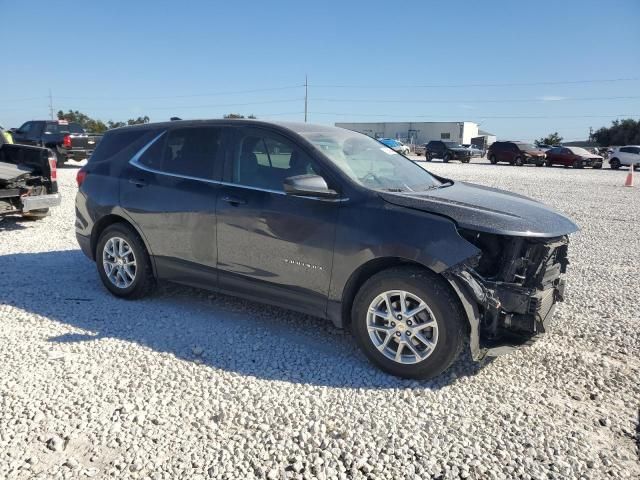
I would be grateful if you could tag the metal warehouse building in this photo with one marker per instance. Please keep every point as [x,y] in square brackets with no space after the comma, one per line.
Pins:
[417,132]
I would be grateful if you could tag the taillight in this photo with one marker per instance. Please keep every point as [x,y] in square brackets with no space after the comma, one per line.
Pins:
[53,167]
[80,176]
[66,141]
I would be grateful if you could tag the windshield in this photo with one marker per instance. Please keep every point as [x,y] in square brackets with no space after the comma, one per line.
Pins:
[370,164]
[579,151]
[526,146]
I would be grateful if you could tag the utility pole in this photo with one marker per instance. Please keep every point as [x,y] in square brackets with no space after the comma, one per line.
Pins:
[306,88]
[51,105]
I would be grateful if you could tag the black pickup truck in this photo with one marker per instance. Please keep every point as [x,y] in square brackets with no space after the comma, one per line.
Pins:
[28,182]
[65,139]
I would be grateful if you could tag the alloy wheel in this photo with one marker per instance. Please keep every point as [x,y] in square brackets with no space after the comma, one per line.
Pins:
[119,262]
[402,327]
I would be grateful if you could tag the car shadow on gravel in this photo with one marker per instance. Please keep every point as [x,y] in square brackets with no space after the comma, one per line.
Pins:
[210,329]
[13,223]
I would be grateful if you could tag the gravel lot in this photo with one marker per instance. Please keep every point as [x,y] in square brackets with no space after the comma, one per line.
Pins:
[191,385]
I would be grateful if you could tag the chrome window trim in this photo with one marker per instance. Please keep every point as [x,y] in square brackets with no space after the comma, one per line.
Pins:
[135,162]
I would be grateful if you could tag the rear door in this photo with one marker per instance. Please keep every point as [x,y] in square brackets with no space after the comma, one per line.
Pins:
[274,247]
[169,190]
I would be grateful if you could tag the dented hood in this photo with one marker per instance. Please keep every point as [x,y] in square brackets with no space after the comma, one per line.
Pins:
[487,209]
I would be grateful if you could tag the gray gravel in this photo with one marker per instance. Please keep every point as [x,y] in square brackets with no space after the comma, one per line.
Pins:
[188,384]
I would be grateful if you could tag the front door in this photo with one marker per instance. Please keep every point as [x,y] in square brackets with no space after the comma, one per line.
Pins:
[28,134]
[169,191]
[273,247]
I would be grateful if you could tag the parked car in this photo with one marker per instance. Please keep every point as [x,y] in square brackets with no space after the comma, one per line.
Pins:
[475,151]
[67,140]
[544,147]
[395,145]
[447,151]
[515,153]
[628,155]
[28,182]
[323,221]
[576,157]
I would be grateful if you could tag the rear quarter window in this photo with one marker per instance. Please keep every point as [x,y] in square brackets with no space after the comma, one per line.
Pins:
[117,146]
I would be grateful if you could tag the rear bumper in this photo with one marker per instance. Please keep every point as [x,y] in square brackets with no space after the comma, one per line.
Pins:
[78,155]
[85,245]
[38,202]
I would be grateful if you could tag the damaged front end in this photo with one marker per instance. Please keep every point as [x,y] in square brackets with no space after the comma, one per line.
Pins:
[510,290]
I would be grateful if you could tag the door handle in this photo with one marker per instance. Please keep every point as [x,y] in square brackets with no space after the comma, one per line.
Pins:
[138,182]
[235,201]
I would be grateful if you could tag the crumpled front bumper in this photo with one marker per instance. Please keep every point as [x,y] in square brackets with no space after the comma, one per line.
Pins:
[502,316]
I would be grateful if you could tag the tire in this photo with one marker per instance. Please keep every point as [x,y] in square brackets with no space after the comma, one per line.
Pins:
[548,163]
[518,161]
[493,159]
[578,164]
[446,158]
[597,166]
[428,156]
[36,214]
[465,160]
[143,280]
[443,311]
[614,163]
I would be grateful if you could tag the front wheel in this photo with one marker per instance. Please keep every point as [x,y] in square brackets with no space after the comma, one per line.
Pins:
[518,161]
[123,262]
[428,156]
[408,322]
[493,159]
[446,158]
[614,163]
[578,164]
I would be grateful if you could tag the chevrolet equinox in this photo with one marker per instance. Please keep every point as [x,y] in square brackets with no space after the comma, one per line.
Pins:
[327,222]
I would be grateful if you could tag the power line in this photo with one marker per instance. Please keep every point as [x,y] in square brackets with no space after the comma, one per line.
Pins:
[505,84]
[516,100]
[163,97]
[350,114]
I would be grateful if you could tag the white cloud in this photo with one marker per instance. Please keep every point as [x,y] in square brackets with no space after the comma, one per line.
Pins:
[551,98]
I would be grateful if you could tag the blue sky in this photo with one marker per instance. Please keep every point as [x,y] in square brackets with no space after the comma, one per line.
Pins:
[501,63]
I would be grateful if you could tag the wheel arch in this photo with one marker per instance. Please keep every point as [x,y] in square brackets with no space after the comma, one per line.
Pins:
[112,219]
[372,267]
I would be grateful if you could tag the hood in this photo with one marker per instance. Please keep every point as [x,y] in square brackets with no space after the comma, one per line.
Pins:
[487,210]
[459,149]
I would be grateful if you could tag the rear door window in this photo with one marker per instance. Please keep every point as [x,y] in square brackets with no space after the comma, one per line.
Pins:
[192,151]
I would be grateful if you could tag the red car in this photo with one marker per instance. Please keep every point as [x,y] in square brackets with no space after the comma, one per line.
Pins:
[575,157]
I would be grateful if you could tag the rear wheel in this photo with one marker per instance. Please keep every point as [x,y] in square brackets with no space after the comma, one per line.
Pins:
[60,159]
[427,155]
[493,159]
[408,322]
[614,163]
[518,161]
[123,262]
[446,158]
[465,160]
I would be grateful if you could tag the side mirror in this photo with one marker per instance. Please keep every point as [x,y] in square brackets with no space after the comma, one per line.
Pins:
[308,186]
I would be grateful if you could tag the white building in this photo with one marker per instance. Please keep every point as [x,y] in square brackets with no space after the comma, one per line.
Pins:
[417,132]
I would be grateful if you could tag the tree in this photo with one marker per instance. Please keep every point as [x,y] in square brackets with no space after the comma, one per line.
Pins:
[621,132]
[551,139]
[97,126]
[88,123]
